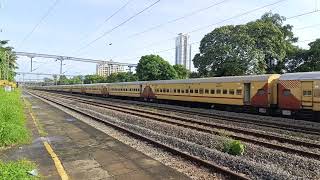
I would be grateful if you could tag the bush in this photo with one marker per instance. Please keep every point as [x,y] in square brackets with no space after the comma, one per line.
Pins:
[12,121]
[234,147]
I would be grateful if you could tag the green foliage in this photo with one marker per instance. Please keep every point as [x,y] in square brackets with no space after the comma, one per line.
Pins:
[254,48]
[63,80]
[12,120]
[91,79]
[17,170]
[182,72]
[7,61]
[76,80]
[305,60]
[121,77]
[234,147]
[229,50]
[194,75]
[154,67]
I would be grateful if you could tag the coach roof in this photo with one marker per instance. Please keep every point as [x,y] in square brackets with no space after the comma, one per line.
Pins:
[301,76]
[248,78]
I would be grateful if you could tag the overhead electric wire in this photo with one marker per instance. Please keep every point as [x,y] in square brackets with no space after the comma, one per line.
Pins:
[303,14]
[39,22]
[233,17]
[291,17]
[124,22]
[307,27]
[108,18]
[178,19]
[236,16]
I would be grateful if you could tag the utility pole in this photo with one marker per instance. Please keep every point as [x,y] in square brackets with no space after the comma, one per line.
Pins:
[61,66]
[31,60]
[190,58]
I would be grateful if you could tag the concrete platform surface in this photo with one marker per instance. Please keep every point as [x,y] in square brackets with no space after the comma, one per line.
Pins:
[85,153]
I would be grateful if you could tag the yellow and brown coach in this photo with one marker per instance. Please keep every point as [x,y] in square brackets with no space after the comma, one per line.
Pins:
[299,93]
[257,91]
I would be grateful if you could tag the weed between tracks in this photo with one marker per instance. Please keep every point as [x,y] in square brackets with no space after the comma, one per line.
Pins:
[12,120]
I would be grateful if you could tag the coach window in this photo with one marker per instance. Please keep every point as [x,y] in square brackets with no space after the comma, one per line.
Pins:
[218,91]
[168,90]
[182,90]
[286,92]
[187,90]
[239,91]
[206,91]
[196,91]
[191,91]
[178,90]
[261,92]
[307,93]
[174,90]
[201,91]
[225,91]
[212,91]
[231,91]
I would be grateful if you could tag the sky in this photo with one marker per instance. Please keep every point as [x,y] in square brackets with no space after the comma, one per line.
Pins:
[72,26]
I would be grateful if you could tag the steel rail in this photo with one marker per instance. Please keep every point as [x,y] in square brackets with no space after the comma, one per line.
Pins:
[282,126]
[175,151]
[194,124]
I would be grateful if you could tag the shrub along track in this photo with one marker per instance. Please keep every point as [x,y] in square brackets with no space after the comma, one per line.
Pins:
[175,151]
[211,128]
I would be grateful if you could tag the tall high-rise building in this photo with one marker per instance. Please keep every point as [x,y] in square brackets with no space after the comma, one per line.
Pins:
[182,51]
[107,69]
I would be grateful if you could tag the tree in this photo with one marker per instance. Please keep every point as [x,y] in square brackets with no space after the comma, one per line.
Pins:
[182,72]
[63,80]
[229,50]
[7,61]
[154,67]
[76,80]
[225,51]
[273,38]
[302,60]
[90,79]
[121,77]
[194,75]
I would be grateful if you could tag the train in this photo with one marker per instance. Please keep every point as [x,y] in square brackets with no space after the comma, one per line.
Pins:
[294,95]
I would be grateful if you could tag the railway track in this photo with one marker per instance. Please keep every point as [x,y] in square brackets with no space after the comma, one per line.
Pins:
[210,165]
[208,127]
[276,125]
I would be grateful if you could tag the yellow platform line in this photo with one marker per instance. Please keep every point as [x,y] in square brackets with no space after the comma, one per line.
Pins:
[63,174]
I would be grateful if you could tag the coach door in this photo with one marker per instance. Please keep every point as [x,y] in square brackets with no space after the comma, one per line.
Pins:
[307,94]
[247,88]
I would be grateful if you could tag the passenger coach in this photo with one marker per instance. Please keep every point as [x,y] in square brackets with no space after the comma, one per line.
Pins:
[257,91]
[299,93]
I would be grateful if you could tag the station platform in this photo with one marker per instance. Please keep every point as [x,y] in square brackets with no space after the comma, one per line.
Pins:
[79,151]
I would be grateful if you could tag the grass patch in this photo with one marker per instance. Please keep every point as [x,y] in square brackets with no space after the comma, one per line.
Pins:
[12,120]
[17,170]
[234,147]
